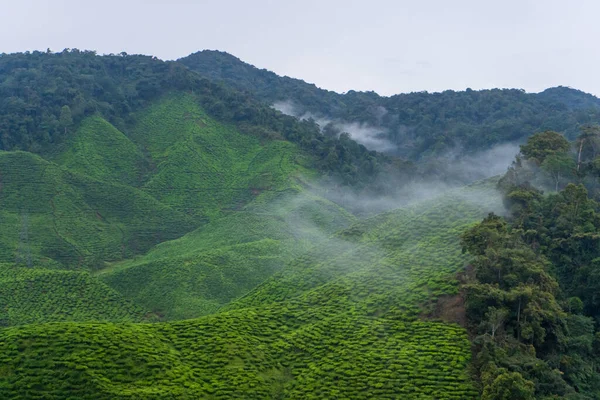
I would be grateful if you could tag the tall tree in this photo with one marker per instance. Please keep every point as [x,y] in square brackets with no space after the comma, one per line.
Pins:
[558,166]
[590,139]
[544,144]
[66,118]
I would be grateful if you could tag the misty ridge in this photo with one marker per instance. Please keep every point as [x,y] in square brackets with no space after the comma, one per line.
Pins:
[373,138]
[438,175]
[410,193]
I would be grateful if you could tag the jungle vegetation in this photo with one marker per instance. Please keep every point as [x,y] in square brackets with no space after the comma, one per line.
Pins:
[532,294]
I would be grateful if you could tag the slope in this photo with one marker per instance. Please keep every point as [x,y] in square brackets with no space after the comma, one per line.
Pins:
[115,195]
[203,167]
[37,295]
[53,217]
[407,254]
[48,96]
[344,321]
[209,267]
[99,150]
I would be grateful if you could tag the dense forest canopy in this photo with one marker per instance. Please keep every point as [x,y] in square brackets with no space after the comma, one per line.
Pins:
[532,297]
[418,124]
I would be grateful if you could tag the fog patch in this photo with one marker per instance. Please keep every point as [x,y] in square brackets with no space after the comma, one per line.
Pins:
[481,194]
[286,107]
[458,166]
[468,177]
[371,137]
[437,176]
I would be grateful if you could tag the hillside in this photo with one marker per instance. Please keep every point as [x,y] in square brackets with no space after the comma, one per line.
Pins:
[34,295]
[57,218]
[211,266]
[414,125]
[82,208]
[345,320]
[104,196]
[48,95]
[167,233]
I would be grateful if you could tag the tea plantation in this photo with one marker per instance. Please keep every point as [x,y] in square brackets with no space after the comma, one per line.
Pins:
[180,258]
[30,295]
[343,320]
[209,267]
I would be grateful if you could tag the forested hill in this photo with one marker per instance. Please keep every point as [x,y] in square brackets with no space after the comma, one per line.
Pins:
[45,96]
[416,124]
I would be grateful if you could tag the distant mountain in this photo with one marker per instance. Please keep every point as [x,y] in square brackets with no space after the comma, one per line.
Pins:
[572,98]
[418,124]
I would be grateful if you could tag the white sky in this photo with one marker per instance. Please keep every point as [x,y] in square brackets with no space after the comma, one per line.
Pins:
[389,46]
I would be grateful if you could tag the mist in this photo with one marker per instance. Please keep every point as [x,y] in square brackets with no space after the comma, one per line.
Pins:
[460,167]
[447,174]
[453,169]
[371,137]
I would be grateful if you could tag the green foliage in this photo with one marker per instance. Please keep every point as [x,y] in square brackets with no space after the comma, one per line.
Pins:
[65,120]
[534,277]
[544,144]
[45,94]
[62,218]
[107,196]
[558,166]
[35,295]
[420,124]
[546,162]
[509,386]
[341,320]
[202,166]
[271,353]
[587,145]
[209,267]
[102,152]
[415,246]
[163,196]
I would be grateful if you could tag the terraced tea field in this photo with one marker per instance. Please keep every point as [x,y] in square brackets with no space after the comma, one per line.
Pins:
[34,295]
[344,320]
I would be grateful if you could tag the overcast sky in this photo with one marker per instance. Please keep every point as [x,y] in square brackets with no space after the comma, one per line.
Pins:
[388,46]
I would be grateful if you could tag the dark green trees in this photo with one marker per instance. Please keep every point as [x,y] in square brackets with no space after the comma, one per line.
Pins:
[66,118]
[532,299]
[544,144]
[549,162]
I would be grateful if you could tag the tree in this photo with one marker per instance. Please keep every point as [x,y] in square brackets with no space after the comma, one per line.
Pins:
[495,319]
[544,144]
[66,118]
[509,386]
[558,165]
[589,138]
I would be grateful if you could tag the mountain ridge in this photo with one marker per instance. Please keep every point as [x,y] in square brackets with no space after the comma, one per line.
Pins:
[215,57]
[419,124]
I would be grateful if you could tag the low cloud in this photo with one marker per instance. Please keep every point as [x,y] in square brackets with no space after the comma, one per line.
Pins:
[461,167]
[448,174]
[369,136]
